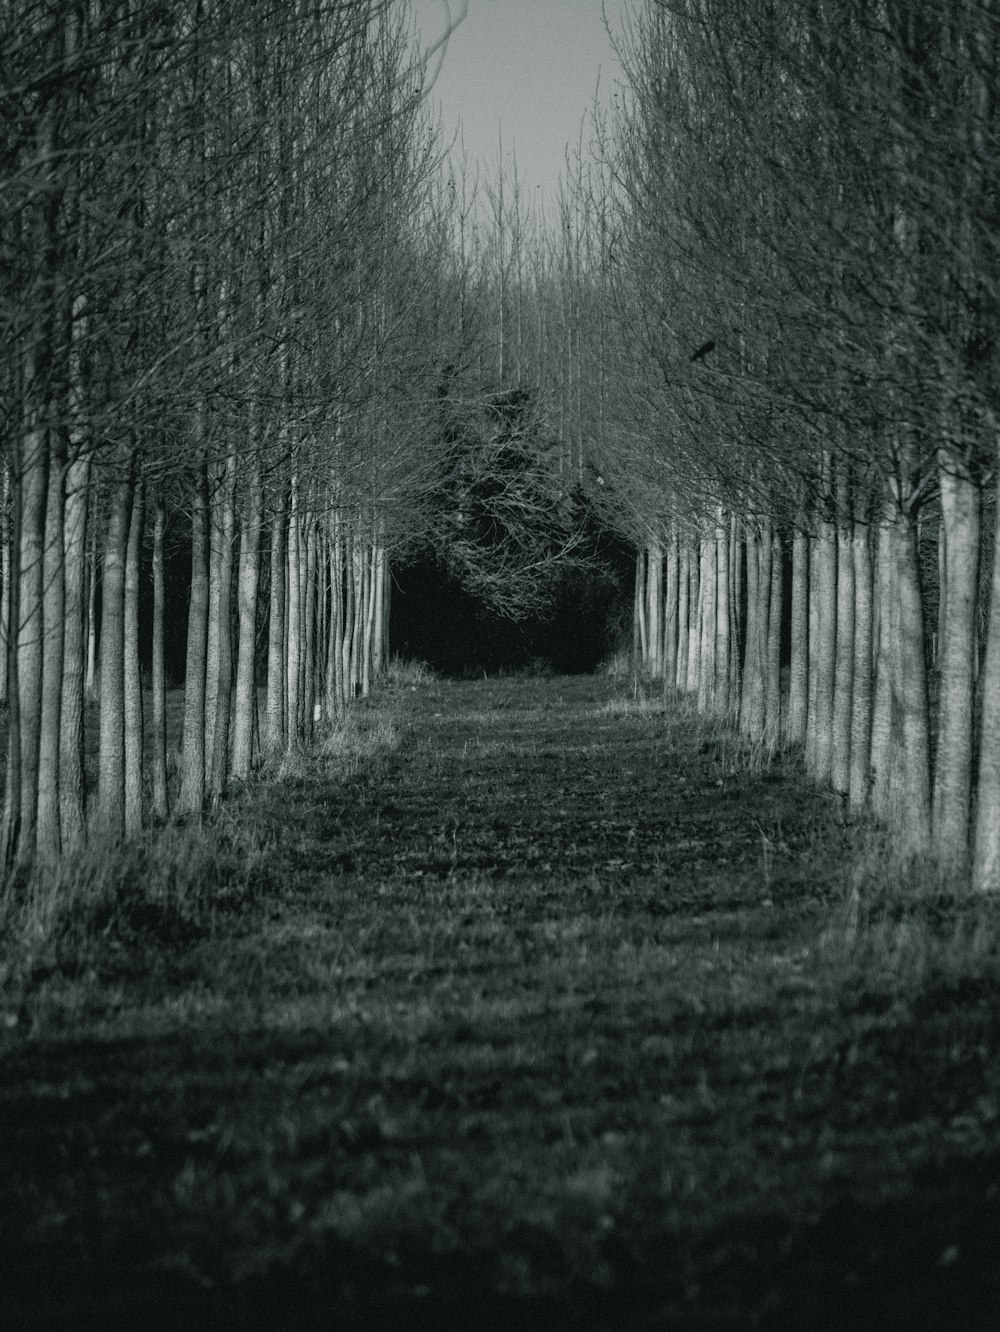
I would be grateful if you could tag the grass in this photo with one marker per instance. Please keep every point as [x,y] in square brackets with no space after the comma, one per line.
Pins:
[516,1004]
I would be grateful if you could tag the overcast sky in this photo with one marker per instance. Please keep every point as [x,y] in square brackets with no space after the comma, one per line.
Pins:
[529,67]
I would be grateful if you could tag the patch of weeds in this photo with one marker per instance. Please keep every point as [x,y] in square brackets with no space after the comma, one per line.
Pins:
[909,923]
[408,674]
[155,893]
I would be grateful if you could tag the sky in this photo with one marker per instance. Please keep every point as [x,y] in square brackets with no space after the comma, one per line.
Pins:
[528,68]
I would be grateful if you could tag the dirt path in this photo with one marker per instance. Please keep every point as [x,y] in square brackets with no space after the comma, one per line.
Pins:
[539,1021]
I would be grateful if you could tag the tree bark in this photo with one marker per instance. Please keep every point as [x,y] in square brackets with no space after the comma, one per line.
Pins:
[723,639]
[132,679]
[72,788]
[824,590]
[986,841]
[861,696]
[49,836]
[246,668]
[160,808]
[772,700]
[843,681]
[960,514]
[226,535]
[913,808]
[798,687]
[275,726]
[191,798]
[111,759]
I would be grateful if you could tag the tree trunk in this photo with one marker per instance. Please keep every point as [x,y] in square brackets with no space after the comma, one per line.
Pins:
[882,740]
[723,616]
[294,619]
[132,678]
[640,639]
[111,759]
[226,536]
[49,836]
[913,808]
[843,681]
[191,798]
[986,842]
[752,700]
[824,590]
[798,687]
[861,696]
[812,689]
[709,614]
[694,616]
[93,576]
[72,790]
[159,684]
[654,594]
[274,735]
[960,515]
[683,612]
[772,700]
[670,610]
[6,553]
[246,665]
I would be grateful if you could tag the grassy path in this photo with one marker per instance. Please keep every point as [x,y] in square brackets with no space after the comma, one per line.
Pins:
[550,1015]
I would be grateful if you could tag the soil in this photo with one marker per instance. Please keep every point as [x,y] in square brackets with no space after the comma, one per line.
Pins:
[568,1012]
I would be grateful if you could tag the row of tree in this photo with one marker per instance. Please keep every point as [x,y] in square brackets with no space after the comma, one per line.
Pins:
[803,266]
[218,230]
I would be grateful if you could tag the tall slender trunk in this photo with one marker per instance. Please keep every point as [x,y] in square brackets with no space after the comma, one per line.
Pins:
[843,680]
[640,637]
[752,701]
[93,577]
[986,841]
[378,633]
[53,638]
[812,646]
[111,759]
[132,678]
[226,536]
[861,694]
[294,619]
[914,805]
[694,617]
[670,610]
[246,665]
[309,580]
[736,631]
[772,698]
[160,807]
[654,595]
[683,612]
[274,734]
[960,514]
[191,798]
[366,651]
[723,616]
[798,682]
[709,614]
[72,790]
[882,740]
[217,483]
[825,590]
[349,617]
[6,553]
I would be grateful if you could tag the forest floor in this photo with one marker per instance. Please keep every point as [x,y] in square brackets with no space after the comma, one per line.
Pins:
[544,1006]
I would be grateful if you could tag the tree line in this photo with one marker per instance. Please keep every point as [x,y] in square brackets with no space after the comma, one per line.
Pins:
[804,270]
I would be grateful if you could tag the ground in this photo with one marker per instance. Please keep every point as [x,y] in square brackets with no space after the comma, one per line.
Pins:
[544,1005]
